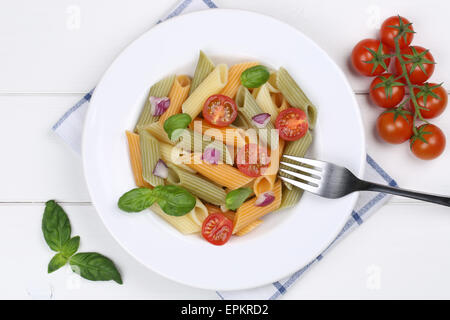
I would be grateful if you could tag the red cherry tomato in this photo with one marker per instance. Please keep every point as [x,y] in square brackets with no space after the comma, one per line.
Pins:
[387,92]
[220,110]
[436,99]
[292,124]
[419,58]
[369,57]
[217,229]
[252,160]
[395,126]
[391,27]
[429,143]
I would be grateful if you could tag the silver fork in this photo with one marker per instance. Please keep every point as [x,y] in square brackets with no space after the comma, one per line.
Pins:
[332,181]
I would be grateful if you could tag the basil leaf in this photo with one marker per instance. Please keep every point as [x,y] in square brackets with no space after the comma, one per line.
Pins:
[136,200]
[176,122]
[57,262]
[95,267]
[174,200]
[55,226]
[255,77]
[70,247]
[237,197]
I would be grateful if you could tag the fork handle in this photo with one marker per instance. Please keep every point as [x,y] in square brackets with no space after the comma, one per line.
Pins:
[370,186]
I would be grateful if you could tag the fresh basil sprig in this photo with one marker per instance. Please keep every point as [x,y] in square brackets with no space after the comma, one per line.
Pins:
[56,229]
[237,197]
[175,125]
[173,200]
[255,77]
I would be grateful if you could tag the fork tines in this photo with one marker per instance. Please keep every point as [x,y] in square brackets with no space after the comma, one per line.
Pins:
[307,172]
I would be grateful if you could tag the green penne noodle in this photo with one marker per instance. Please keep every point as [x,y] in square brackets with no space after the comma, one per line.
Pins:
[295,96]
[290,197]
[196,185]
[203,69]
[159,89]
[150,155]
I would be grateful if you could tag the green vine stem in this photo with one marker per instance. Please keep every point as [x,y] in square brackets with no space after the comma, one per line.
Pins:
[405,75]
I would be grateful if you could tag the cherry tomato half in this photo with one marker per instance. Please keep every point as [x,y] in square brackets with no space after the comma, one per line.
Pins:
[429,143]
[395,126]
[292,124]
[252,160]
[217,229]
[369,57]
[391,27]
[387,92]
[220,110]
[420,58]
[436,99]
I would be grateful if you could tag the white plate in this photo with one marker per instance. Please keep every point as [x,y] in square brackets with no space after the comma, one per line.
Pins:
[287,240]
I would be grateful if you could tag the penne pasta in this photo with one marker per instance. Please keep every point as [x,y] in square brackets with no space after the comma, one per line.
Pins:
[184,224]
[212,84]
[159,89]
[177,156]
[231,136]
[264,100]
[248,212]
[177,95]
[135,159]
[266,182]
[222,174]
[199,213]
[290,197]
[157,130]
[150,156]
[196,185]
[295,96]
[204,67]
[249,228]
[279,101]
[234,78]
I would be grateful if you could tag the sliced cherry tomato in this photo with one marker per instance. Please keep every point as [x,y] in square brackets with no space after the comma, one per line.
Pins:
[292,124]
[217,229]
[370,57]
[432,98]
[392,27]
[395,126]
[220,110]
[252,160]
[429,143]
[386,91]
[419,64]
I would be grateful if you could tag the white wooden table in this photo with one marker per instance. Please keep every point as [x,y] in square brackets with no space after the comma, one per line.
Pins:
[53,51]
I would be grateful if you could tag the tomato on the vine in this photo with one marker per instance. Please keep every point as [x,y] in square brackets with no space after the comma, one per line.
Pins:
[395,126]
[428,143]
[432,100]
[386,91]
[419,64]
[392,27]
[370,57]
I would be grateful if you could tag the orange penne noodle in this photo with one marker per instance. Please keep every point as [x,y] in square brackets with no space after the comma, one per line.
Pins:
[228,135]
[222,174]
[135,158]
[280,101]
[249,228]
[234,78]
[266,182]
[214,209]
[248,212]
[177,95]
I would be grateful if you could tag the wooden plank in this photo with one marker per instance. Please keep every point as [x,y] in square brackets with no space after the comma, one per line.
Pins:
[47,50]
[28,256]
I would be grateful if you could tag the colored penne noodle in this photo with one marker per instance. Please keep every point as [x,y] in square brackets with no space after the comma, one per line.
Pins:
[230,136]
[135,159]
[264,100]
[234,78]
[249,228]
[150,156]
[290,197]
[177,95]
[177,156]
[204,67]
[159,89]
[199,213]
[184,224]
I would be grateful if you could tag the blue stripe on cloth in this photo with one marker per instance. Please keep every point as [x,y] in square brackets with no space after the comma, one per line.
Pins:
[357,218]
[83,100]
[380,171]
[178,10]
[220,296]
[210,4]
[281,289]
[370,204]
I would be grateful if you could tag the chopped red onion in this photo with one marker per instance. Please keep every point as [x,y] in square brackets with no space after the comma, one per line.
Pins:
[161,170]
[264,199]
[211,156]
[261,120]
[159,105]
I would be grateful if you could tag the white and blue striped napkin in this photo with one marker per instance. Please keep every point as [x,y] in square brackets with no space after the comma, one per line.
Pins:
[70,128]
